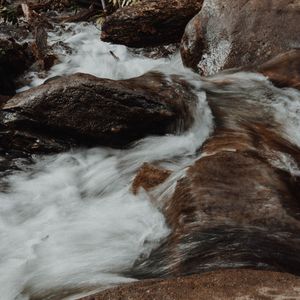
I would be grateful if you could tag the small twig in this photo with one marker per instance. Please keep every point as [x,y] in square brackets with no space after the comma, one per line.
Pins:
[114,56]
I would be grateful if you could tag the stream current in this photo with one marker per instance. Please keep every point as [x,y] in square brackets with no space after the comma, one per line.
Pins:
[70,223]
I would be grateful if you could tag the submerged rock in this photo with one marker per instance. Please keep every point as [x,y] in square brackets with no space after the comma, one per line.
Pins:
[85,110]
[149,23]
[239,33]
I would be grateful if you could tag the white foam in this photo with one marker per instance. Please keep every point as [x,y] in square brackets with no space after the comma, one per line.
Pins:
[72,221]
[84,52]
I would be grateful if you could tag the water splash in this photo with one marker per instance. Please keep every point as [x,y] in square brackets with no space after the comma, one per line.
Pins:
[71,222]
[80,49]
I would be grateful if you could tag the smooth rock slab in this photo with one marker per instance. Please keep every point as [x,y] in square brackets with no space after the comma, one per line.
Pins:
[238,205]
[238,33]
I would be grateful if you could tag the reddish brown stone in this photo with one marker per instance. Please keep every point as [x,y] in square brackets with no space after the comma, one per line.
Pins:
[238,33]
[239,201]
[14,60]
[284,69]
[85,110]
[148,177]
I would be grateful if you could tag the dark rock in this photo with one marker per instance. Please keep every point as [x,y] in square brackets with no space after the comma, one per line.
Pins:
[14,60]
[149,23]
[238,33]
[85,110]
[192,43]
[4,99]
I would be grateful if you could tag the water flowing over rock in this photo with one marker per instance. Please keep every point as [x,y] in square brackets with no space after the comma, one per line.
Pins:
[239,33]
[149,23]
[167,177]
[238,204]
[85,110]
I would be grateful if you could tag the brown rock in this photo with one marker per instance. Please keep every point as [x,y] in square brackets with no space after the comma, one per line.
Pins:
[284,69]
[238,205]
[148,177]
[192,43]
[149,23]
[86,110]
[239,33]
[225,285]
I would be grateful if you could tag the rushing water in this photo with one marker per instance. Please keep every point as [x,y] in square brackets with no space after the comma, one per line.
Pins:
[80,49]
[70,223]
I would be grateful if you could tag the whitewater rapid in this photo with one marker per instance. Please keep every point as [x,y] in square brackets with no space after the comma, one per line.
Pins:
[79,49]
[70,224]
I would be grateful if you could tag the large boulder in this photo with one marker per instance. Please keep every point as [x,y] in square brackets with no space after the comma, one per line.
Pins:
[85,110]
[238,204]
[150,23]
[237,33]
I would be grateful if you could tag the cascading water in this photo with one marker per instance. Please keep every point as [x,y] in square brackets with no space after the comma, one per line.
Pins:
[70,223]
[83,51]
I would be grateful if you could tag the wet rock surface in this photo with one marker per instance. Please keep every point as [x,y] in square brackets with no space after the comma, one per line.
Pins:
[148,177]
[85,110]
[238,205]
[149,23]
[239,33]
[225,284]
[284,69]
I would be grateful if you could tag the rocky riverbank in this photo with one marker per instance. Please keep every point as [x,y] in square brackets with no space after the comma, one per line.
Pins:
[116,166]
